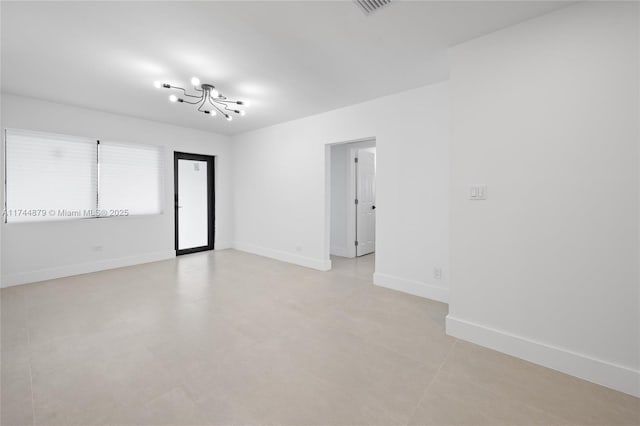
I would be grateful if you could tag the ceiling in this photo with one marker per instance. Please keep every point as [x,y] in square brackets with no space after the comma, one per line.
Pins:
[289,59]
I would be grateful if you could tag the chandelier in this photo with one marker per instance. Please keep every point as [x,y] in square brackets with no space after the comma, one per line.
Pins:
[209,100]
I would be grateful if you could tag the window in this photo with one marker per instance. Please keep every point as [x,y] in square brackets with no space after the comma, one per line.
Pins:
[129,179]
[53,177]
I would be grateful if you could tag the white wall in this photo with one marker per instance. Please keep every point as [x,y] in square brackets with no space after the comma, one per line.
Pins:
[280,181]
[38,251]
[343,232]
[546,114]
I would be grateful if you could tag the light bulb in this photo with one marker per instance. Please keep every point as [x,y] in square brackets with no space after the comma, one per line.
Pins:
[157,84]
[213,113]
[173,98]
[214,93]
[229,118]
[195,81]
[242,113]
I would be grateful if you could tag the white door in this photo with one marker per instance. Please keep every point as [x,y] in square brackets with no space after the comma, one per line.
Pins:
[366,204]
[193,222]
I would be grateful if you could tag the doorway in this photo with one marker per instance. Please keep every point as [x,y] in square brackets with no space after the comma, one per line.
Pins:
[194,197]
[352,225]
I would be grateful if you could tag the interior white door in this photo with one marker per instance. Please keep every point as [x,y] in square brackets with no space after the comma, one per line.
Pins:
[366,205]
[193,224]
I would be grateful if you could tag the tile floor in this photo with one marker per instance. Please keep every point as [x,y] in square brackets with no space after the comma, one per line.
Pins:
[230,338]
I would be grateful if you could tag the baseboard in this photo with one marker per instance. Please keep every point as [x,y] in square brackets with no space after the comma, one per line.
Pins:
[83,268]
[308,262]
[417,288]
[601,372]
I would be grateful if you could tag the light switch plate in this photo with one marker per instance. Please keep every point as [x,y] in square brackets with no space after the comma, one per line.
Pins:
[478,192]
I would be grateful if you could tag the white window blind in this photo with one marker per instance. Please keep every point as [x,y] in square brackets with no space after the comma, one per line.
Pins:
[49,177]
[129,179]
[56,177]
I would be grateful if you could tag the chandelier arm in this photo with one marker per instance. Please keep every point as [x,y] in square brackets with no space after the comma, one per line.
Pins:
[213,104]
[185,92]
[219,110]
[190,103]
[226,106]
[217,101]
[229,103]
[225,109]
[204,101]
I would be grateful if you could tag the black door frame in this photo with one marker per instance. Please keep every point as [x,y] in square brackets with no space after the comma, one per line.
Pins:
[211,198]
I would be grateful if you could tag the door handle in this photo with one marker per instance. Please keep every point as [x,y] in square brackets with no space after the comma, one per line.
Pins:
[373,207]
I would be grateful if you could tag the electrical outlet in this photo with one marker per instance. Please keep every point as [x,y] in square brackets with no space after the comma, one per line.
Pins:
[437,273]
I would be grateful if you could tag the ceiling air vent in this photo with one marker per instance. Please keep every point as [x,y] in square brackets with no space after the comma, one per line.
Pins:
[369,6]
